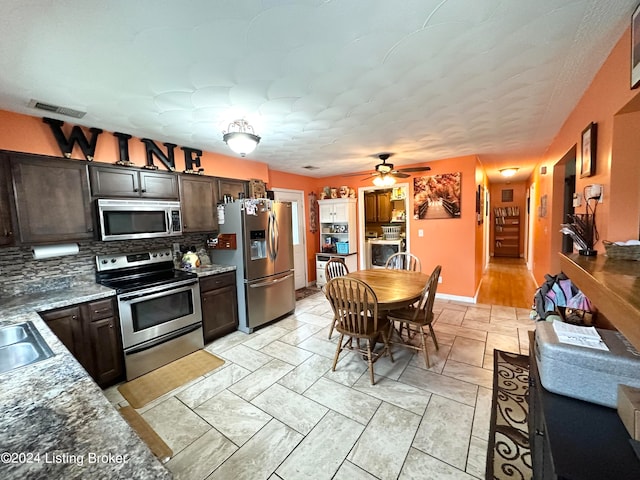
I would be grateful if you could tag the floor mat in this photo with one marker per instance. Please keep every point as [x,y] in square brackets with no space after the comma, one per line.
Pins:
[306,292]
[509,452]
[140,391]
[160,449]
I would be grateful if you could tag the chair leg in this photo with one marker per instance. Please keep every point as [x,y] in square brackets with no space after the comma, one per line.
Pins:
[338,349]
[433,335]
[370,361]
[387,344]
[333,325]
[424,347]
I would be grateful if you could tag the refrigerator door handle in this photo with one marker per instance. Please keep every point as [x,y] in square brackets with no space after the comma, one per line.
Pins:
[272,282]
[276,237]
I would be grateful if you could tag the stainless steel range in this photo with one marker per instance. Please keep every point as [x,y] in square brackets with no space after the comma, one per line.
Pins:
[159,307]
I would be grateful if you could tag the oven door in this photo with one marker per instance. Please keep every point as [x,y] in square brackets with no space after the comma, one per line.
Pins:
[155,312]
[381,250]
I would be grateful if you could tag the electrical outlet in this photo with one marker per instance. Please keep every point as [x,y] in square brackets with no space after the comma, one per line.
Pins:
[440,279]
[421,232]
[577,199]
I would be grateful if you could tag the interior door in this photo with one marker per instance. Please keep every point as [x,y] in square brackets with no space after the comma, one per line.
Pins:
[296,197]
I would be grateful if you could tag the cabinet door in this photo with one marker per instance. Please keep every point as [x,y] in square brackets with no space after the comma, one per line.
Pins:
[66,323]
[384,207]
[106,350]
[159,185]
[114,182]
[52,199]
[370,207]
[326,213]
[219,306]
[198,199]
[231,187]
[6,227]
[341,212]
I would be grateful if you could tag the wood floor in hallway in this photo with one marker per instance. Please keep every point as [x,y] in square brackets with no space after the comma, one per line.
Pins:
[507,282]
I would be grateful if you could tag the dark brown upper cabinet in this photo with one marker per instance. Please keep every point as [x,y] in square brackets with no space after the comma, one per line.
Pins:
[6,225]
[198,201]
[52,200]
[128,182]
[232,188]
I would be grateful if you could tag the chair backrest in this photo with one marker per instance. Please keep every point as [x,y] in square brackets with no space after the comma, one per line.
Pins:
[404,261]
[425,305]
[354,304]
[335,267]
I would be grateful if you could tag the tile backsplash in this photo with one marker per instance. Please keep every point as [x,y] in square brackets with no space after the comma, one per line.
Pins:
[21,274]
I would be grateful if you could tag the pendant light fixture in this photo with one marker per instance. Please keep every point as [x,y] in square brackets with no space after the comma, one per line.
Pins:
[241,138]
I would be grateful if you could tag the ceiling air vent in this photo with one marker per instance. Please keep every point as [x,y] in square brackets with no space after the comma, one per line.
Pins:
[70,112]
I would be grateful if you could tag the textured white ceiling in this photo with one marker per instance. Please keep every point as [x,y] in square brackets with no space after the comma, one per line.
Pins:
[325,83]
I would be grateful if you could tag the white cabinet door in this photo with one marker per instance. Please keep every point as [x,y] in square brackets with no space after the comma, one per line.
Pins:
[341,212]
[327,213]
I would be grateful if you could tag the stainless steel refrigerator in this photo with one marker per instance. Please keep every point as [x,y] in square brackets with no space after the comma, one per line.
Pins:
[263,258]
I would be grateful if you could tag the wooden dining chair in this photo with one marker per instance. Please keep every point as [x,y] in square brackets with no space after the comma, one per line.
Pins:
[416,317]
[335,267]
[355,307]
[404,261]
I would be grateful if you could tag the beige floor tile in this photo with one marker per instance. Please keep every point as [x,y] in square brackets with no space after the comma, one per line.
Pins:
[322,452]
[257,382]
[469,351]
[301,333]
[466,331]
[396,393]
[477,460]
[319,346]
[235,418]
[350,403]
[286,353]
[219,345]
[176,424]
[445,431]
[246,357]
[265,336]
[349,369]
[482,416]
[447,387]
[292,409]
[385,441]
[210,386]
[202,457]
[320,319]
[451,316]
[468,373]
[349,471]
[419,465]
[261,455]
[306,374]
[506,343]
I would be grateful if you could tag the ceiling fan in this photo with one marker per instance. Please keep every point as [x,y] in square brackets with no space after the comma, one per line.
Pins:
[385,169]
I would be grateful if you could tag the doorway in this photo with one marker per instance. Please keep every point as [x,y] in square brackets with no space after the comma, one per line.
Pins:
[296,197]
[396,212]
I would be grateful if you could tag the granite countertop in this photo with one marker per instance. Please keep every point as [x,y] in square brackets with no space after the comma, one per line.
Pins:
[205,271]
[55,421]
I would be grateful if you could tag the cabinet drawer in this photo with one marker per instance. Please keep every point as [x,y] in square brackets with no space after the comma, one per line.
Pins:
[100,309]
[217,281]
[321,277]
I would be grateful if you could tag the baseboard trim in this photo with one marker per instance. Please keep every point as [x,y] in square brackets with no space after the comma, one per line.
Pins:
[455,298]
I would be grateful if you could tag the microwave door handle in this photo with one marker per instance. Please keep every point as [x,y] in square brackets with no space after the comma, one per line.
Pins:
[169,222]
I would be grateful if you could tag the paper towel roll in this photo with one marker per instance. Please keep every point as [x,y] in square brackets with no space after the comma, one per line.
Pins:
[48,251]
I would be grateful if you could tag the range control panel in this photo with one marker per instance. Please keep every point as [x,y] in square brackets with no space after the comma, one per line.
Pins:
[124,260]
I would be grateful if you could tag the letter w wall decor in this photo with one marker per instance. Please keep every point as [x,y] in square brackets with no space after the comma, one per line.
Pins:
[77,136]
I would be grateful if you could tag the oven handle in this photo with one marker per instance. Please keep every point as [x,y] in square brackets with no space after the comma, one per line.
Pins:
[165,338]
[156,290]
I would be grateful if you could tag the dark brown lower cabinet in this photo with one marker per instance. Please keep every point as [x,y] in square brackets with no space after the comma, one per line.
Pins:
[91,332]
[219,305]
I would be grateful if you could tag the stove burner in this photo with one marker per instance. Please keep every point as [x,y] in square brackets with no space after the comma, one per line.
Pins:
[137,271]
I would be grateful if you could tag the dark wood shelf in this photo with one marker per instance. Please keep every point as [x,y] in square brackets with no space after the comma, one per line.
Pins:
[613,286]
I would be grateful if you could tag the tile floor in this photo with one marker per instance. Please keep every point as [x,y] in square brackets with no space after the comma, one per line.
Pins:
[275,410]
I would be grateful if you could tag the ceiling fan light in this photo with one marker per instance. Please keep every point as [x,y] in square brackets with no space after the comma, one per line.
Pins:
[508,172]
[384,181]
[242,141]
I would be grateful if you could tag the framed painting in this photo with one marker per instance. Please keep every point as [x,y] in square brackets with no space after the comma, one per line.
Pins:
[635,48]
[437,196]
[588,151]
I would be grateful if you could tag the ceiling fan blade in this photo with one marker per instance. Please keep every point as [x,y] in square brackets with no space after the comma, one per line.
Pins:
[414,169]
[399,174]
[358,174]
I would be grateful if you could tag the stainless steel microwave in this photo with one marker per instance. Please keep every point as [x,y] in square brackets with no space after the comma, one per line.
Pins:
[131,219]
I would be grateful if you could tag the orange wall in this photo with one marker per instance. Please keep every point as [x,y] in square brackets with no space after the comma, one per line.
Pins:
[607,94]
[453,243]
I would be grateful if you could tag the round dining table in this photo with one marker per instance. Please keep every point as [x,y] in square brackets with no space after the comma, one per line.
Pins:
[393,288]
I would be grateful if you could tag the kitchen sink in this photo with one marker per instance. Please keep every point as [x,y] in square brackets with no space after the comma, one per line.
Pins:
[21,345]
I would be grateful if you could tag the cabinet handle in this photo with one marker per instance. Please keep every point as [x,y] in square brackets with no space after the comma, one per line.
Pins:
[144,190]
[74,317]
[90,229]
[111,325]
[539,432]
[135,189]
